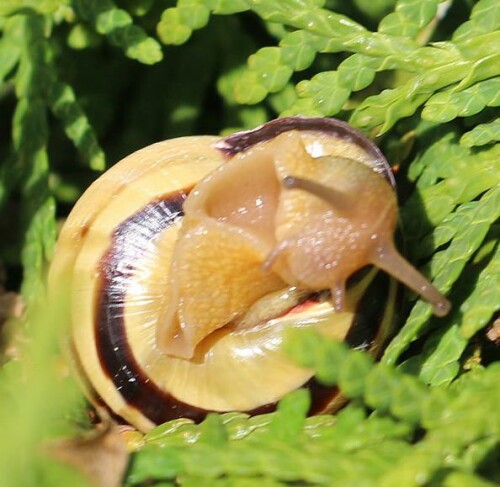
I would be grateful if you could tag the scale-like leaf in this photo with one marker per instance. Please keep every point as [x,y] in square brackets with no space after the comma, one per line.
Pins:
[177,23]
[441,364]
[171,29]
[76,124]
[325,92]
[117,25]
[483,134]
[447,266]
[10,46]
[194,13]
[485,17]
[271,72]
[30,134]
[297,50]
[11,7]
[409,17]
[447,105]
[484,301]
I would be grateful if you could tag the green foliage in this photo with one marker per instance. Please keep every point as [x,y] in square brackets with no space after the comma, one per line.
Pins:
[416,437]
[482,134]
[38,399]
[313,454]
[447,105]
[85,82]
[117,25]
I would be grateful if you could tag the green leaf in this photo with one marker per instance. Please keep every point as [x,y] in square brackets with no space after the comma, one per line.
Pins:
[408,400]
[440,199]
[483,68]
[10,44]
[248,89]
[465,479]
[382,45]
[40,235]
[137,44]
[176,432]
[353,374]
[387,108]
[357,72]
[487,14]
[227,7]
[109,20]
[297,50]
[448,228]
[483,134]
[399,429]
[117,25]
[485,17]
[193,13]
[76,124]
[82,37]
[441,365]
[289,420]
[155,463]
[484,301]
[171,28]
[139,7]
[445,106]
[391,105]
[478,454]
[30,139]
[11,7]
[375,9]
[409,17]
[448,265]
[381,388]
[324,89]
[213,431]
[271,73]
[307,16]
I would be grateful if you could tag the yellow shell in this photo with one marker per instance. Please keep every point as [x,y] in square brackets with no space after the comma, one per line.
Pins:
[174,318]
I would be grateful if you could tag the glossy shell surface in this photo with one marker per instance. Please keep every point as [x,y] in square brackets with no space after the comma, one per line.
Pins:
[113,264]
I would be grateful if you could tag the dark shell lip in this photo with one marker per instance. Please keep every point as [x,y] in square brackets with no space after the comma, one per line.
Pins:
[241,141]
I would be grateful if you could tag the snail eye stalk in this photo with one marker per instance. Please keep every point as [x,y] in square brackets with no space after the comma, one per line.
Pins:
[341,201]
[382,254]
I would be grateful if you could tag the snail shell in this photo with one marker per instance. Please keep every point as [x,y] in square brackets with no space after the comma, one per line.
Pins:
[184,265]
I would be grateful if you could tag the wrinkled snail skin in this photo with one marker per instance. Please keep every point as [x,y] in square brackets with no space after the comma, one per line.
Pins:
[170,261]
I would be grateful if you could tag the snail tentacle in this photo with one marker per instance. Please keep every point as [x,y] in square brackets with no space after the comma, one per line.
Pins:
[386,257]
[341,201]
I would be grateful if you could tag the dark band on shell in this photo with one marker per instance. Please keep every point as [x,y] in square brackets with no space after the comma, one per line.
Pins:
[130,240]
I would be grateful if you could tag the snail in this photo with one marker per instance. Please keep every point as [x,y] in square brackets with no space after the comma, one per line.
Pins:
[185,264]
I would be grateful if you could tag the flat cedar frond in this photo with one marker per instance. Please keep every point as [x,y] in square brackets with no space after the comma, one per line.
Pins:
[385,445]
[117,24]
[85,82]
[65,107]
[485,133]
[30,139]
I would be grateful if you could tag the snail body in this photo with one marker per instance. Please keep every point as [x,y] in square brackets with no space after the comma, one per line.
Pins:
[186,263]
